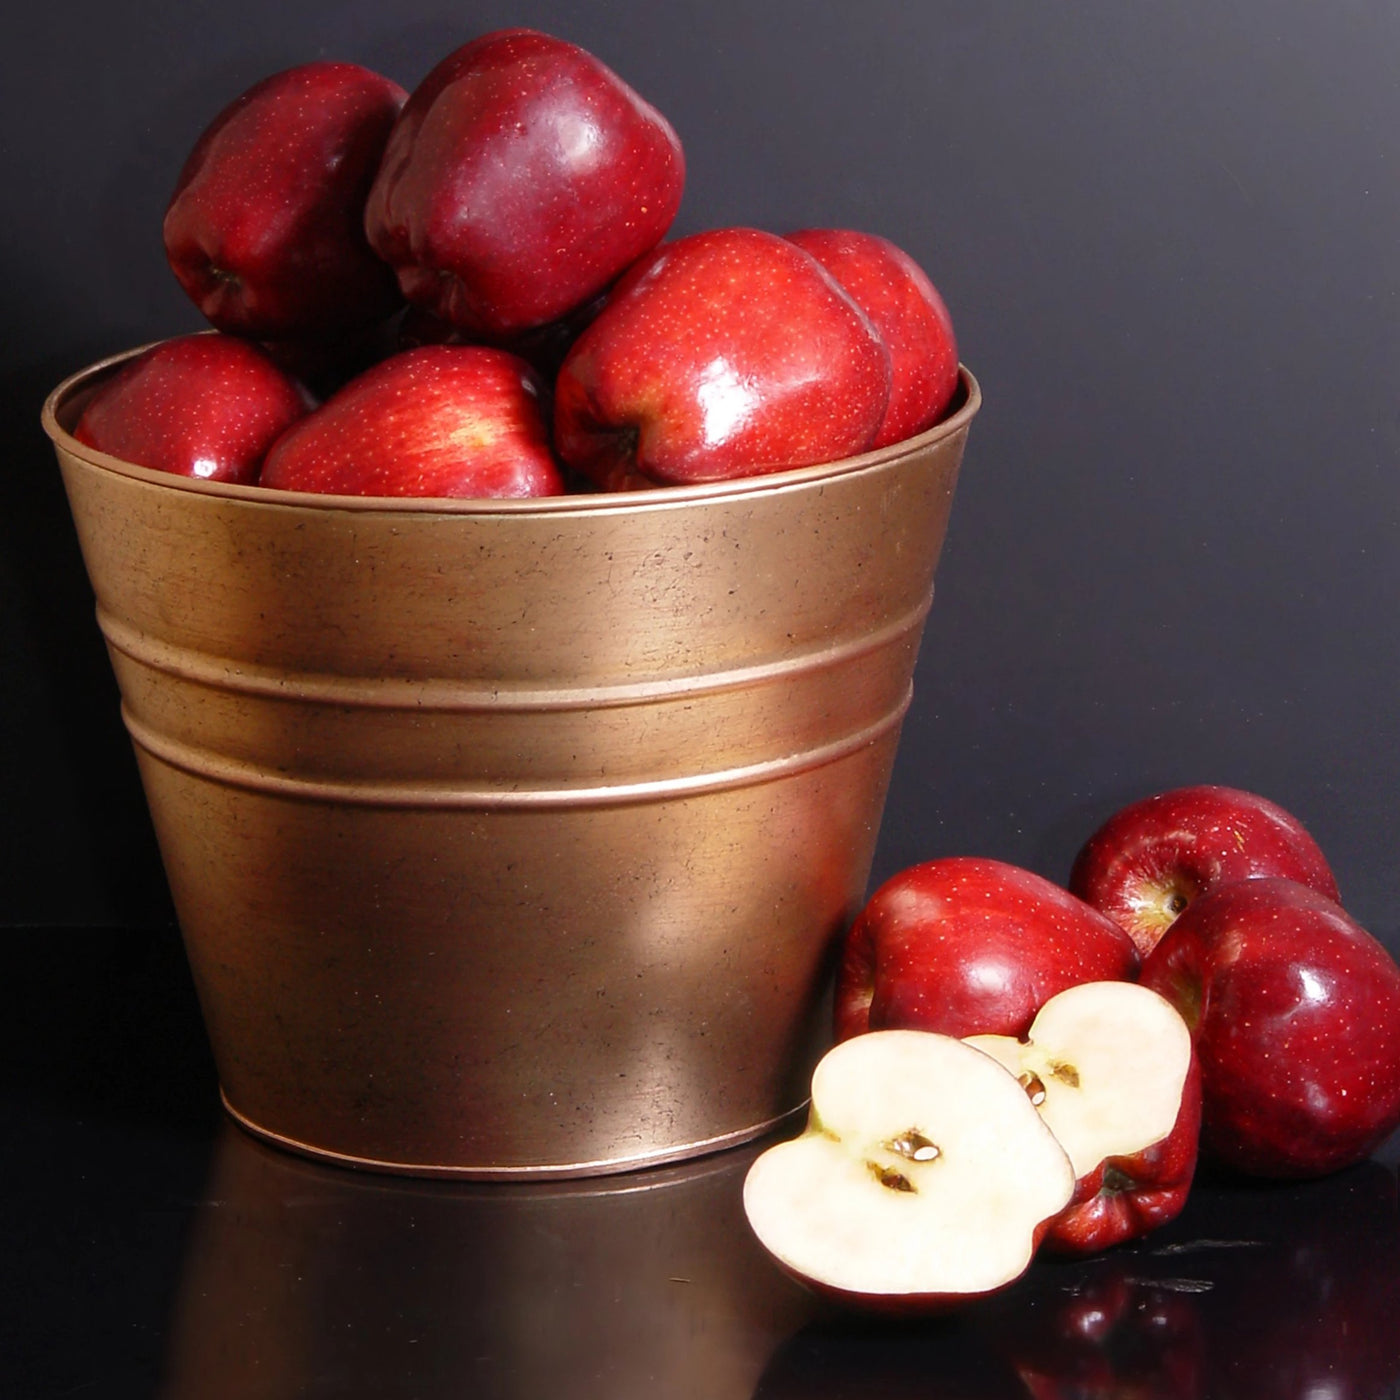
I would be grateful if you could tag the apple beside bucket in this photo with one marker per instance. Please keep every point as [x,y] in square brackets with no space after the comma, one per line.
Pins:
[515,837]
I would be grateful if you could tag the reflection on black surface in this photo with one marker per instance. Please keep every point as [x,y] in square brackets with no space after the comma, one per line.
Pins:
[1289,1293]
[304,1280]
[274,1277]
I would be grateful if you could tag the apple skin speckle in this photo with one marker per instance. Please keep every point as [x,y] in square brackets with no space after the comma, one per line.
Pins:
[201,406]
[1296,1022]
[970,946]
[439,421]
[724,354]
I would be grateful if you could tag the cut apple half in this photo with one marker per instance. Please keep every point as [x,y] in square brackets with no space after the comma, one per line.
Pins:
[1110,1068]
[925,1175]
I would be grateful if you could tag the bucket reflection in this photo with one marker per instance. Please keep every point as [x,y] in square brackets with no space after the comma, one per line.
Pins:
[305,1280]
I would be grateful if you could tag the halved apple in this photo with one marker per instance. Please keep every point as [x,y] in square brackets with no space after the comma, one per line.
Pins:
[925,1176]
[1110,1067]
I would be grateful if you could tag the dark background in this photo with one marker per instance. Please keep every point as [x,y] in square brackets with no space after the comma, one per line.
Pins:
[1170,239]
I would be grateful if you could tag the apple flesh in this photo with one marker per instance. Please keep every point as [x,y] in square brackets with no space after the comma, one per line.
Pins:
[1145,864]
[265,229]
[724,354]
[202,406]
[1295,1013]
[970,946]
[910,316]
[1111,1069]
[440,421]
[925,1176]
[522,177]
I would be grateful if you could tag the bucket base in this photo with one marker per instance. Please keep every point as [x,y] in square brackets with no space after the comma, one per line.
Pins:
[552,1171]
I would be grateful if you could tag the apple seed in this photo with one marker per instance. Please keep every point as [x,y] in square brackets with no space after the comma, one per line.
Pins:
[888,1176]
[915,1146]
[1034,1086]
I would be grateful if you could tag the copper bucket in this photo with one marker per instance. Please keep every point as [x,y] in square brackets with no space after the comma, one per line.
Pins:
[512,838]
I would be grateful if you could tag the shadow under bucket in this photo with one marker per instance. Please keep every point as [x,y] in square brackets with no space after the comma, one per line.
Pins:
[513,838]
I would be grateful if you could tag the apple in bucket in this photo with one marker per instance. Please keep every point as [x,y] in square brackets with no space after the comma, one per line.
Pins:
[724,354]
[265,229]
[201,406]
[910,316]
[521,178]
[442,420]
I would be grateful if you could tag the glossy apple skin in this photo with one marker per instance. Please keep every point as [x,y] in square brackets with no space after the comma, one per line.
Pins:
[440,421]
[522,177]
[1129,1196]
[724,354]
[910,316]
[1145,864]
[970,946]
[202,406]
[1295,1013]
[265,229]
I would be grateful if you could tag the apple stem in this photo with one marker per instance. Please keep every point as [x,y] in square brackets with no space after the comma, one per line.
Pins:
[1034,1086]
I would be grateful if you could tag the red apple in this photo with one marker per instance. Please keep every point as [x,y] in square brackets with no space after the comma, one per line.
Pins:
[1295,1011]
[970,946]
[205,406]
[906,309]
[1152,858]
[925,1176]
[521,179]
[724,354]
[265,230]
[1110,1067]
[444,420]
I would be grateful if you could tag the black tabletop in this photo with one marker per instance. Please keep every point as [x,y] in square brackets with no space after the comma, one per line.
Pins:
[154,1249]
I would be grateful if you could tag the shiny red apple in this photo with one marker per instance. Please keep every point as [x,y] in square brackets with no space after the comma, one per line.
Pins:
[724,354]
[522,177]
[265,229]
[910,315]
[970,946]
[1145,864]
[1295,1012]
[202,406]
[441,421]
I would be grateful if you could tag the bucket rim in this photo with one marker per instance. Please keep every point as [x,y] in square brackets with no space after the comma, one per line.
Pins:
[58,411]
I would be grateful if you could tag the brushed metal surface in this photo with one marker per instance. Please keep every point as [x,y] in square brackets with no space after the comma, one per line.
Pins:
[513,838]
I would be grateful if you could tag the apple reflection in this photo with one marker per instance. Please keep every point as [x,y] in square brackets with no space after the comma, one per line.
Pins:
[306,1280]
[1285,1292]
